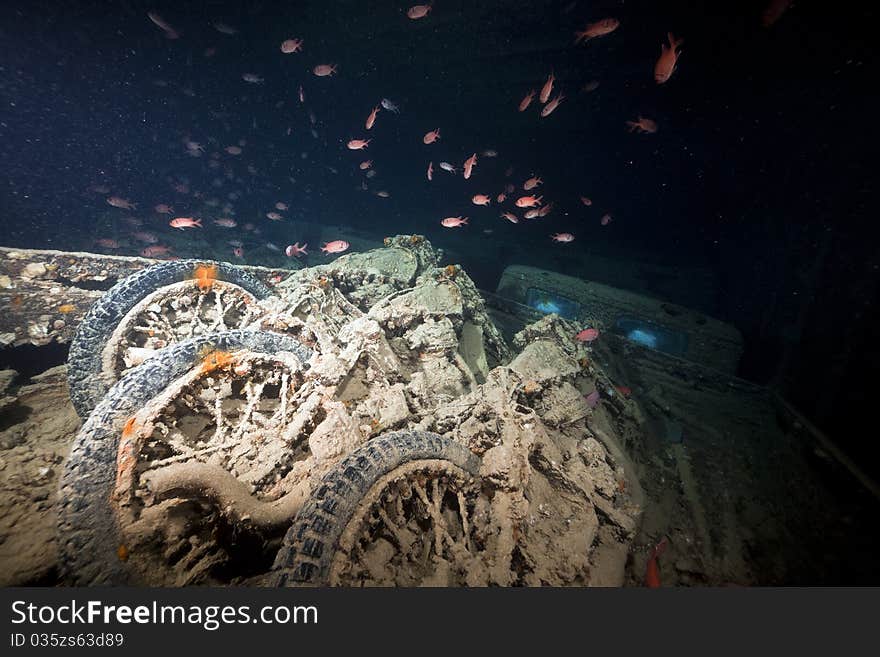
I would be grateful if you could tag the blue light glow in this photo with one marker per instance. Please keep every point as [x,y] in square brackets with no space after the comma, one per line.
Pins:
[547,307]
[642,337]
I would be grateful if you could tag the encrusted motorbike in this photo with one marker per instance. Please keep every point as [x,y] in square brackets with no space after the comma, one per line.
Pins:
[361,423]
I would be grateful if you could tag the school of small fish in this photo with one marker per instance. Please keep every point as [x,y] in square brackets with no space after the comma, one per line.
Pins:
[545,94]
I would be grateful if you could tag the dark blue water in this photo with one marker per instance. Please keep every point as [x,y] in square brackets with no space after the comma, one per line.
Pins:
[760,176]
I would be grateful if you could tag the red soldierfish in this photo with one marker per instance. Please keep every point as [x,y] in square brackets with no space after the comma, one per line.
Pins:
[469,165]
[547,89]
[371,119]
[143,236]
[418,11]
[525,102]
[296,250]
[528,201]
[454,222]
[552,105]
[290,46]
[336,246]
[185,222]
[125,204]
[153,251]
[597,29]
[587,335]
[652,571]
[592,399]
[431,137]
[642,125]
[665,65]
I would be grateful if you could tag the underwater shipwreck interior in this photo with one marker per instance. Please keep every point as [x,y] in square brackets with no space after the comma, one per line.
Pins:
[306,296]
[378,420]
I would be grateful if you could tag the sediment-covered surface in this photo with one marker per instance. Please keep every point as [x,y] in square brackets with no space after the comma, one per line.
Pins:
[46,293]
[572,491]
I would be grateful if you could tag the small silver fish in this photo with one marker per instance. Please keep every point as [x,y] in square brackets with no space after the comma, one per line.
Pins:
[391,107]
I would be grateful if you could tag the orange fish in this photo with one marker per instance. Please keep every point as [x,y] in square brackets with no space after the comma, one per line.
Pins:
[125,204]
[665,65]
[510,217]
[642,125]
[501,197]
[597,29]
[532,214]
[469,165]
[481,199]
[291,46]
[531,183]
[431,137]
[418,11]
[586,201]
[525,102]
[295,250]
[547,89]
[454,222]
[528,201]
[430,171]
[323,70]
[587,335]
[153,251]
[547,209]
[552,105]
[371,119]
[366,164]
[185,222]
[336,246]
[357,144]
[652,571]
